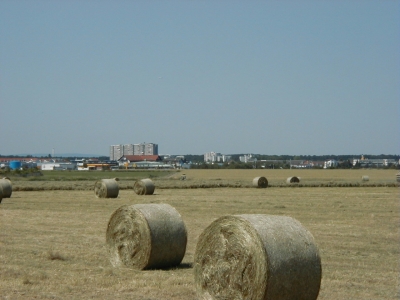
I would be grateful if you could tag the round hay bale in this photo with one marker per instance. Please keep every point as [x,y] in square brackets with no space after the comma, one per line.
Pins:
[365,178]
[398,177]
[260,182]
[144,187]
[146,236]
[106,188]
[6,186]
[293,179]
[257,257]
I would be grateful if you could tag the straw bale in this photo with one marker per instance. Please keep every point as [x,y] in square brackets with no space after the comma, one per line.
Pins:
[6,186]
[260,182]
[106,188]
[365,178]
[144,187]
[257,257]
[293,179]
[146,236]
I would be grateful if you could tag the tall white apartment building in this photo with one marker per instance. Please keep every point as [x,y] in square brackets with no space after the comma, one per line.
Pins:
[145,149]
[117,151]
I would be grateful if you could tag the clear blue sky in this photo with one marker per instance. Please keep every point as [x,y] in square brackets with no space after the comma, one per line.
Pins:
[264,77]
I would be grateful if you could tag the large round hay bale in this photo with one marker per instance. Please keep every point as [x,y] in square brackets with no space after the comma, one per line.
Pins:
[365,178]
[260,182]
[144,187]
[6,186]
[106,188]
[257,257]
[398,177]
[146,236]
[293,179]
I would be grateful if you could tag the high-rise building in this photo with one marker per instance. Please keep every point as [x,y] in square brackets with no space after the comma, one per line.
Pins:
[145,149]
[117,151]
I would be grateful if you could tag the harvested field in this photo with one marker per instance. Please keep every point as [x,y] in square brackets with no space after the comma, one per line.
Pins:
[172,179]
[53,241]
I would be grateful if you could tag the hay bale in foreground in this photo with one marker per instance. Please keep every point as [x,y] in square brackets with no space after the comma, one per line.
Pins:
[257,257]
[144,187]
[6,186]
[146,236]
[106,188]
[260,182]
[365,178]
[293,179]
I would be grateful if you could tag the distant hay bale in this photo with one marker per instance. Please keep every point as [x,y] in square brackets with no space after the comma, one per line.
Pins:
[398,177]
[260,182]
[146,236]
[293,179]
[256,257]
[365,178]
[106,188]
[144,187]
[6,187]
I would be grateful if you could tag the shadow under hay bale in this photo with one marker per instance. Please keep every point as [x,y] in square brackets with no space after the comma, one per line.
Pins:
[6,186]
[365,178]
[260,182]
[144,187]
[257,257]
[293,179]
[146,236]
[106,188]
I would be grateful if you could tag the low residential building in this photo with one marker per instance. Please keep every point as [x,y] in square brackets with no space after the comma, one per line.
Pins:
[331,164]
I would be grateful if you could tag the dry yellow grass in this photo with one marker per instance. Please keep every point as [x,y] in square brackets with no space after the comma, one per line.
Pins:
[52,243]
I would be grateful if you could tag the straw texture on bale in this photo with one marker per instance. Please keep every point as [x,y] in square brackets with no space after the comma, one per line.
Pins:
[365,178]
[293,179]
[6,186]
[144,187]
[146,236]
[260,182]
[257,257]
[106,188]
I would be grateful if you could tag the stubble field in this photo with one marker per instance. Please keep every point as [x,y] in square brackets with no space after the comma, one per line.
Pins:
[52,241]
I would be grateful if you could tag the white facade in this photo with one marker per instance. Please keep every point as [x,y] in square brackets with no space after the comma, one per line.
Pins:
[330,163]
[57,166]
[245,158]
[145,149]
[215,157]
[117,151]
